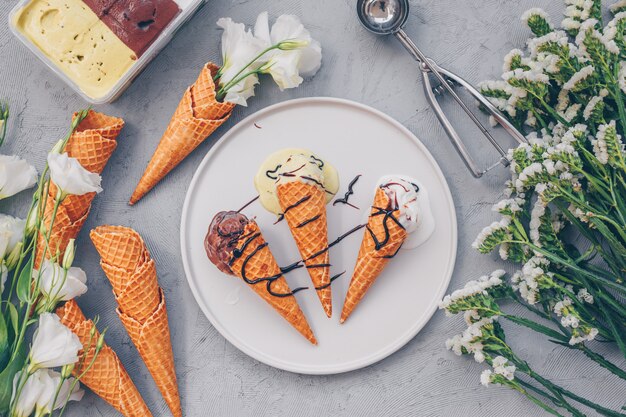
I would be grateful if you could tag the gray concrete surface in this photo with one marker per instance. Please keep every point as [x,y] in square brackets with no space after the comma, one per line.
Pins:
[422,379]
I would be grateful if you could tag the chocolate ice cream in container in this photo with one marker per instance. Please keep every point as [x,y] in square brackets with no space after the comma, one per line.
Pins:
[98,47]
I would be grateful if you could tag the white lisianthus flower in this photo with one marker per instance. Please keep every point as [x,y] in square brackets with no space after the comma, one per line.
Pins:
[298,54]
[239,48]
[16,175]
[52,381]
[11,233]
[32,389]
[59,284]
[70,176]
[53,344]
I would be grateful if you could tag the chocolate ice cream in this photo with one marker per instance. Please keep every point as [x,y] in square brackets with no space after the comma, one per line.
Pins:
[221,239]
[136,22]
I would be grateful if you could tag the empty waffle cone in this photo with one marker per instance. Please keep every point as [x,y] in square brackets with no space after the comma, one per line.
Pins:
[151,336]
[63,229]
[120,247]
[141,304]
[372,259]
[92,143]
[107,376]
[197,116]
[258,261]
[307,222]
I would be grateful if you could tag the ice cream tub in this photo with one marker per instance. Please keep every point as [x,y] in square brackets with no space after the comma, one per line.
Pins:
[99,46]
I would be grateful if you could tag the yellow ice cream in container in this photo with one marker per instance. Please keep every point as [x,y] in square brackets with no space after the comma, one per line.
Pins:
[98,46]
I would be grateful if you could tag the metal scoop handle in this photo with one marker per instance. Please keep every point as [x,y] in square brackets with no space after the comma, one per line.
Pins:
[427,67]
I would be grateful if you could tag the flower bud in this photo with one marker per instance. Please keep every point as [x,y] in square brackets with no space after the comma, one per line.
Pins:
[93,331]
[14,256]
[67,370]
[58,147]
[31,221]
[290,45]
[70,252]
[100,343]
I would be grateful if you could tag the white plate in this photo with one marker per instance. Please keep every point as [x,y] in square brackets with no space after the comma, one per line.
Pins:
[356,139]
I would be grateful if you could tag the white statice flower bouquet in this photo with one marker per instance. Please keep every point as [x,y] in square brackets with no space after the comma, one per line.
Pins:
[563,219]
[36,372]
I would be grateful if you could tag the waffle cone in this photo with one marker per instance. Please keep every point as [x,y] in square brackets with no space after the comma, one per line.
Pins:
[312,237]
[92,143]
[261,265]
[151,336]
[197,116]
[107,376]
[63,229]
[370,261]
[120,247]
[141,304]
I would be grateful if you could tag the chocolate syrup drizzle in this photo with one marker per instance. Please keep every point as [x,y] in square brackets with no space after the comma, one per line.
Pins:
[348,193]
[334,277]
[238,253]
[388,213]
[312,219]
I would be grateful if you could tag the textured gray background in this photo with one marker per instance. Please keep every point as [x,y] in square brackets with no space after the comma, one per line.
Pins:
[468,37]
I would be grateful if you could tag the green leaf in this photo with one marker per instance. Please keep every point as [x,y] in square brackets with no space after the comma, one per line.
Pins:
[24,282]
[6,380]
[4,342]
[14,318]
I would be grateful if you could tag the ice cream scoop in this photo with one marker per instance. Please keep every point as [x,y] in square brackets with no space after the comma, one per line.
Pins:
[410,198]
[221,239]
[293,164]
[236,246]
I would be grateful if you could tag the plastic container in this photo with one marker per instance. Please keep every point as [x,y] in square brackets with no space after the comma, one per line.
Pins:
[187,10]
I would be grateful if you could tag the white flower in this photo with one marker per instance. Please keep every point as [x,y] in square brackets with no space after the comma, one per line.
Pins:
[59,284]
[587,28]
[32,389]
[539,209]
[578,77]
[508,205]
[570,321]
[500,368]
[485,377]
[490,230]
[530,76]
[508,59]
[593,103]
[239,48]
[472,288]
[70,176]
[300,56]
[15,175]
[561,306]
[583,336]
[53,344]
[51,381]
[584,296]
[620,4]
[11,233]
[535,11]
[454,344]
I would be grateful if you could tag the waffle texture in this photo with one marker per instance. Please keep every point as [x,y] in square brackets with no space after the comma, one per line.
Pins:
[307,222]
[260,263]
[107,376]
[126,261]
[371,261]
[92,144]
[197,116]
